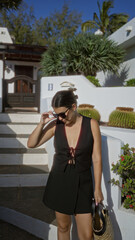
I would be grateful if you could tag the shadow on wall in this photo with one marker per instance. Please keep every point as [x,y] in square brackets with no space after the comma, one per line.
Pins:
[117,80]
[107,177]
[0,105]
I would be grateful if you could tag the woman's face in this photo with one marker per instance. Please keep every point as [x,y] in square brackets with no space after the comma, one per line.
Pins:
[65,114]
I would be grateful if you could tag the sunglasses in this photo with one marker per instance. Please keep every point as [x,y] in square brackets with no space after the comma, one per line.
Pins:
[62,114]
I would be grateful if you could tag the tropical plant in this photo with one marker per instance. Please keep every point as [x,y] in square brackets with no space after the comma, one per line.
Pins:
[94,80]
[26,29]
[9,4]
[106,23]
[122,117]
[130,83]
[88,111]
[125,168]
[85,54]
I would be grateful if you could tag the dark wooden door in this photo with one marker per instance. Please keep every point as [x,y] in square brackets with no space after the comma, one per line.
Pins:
[26,90]
[25,71]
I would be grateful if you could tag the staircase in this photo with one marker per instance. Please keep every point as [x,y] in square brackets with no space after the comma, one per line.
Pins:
[23,176]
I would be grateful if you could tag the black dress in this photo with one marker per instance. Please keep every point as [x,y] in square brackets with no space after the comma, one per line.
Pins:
[69,187]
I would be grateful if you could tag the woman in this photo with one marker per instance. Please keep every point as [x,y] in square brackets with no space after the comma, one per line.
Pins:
[77,142]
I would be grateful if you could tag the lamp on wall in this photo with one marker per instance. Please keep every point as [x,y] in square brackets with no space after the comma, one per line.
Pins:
[129,28]
[64,65]
[8,68]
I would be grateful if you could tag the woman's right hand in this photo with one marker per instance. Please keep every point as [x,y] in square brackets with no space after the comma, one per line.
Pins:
[46,117]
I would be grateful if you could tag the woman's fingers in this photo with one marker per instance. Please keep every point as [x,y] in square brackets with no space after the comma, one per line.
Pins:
[46,117]
[98,197]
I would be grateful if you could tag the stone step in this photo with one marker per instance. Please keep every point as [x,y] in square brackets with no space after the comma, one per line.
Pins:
[23,207]
[22,150]
[27,200]
[23,175]
[15,143]
[32,225]
[9,231]
[16,129]
[20,117]
[24,158]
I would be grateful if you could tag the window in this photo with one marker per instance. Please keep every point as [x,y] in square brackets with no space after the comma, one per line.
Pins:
[50,86]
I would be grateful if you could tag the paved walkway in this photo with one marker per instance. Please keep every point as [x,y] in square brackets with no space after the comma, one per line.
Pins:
[10,232]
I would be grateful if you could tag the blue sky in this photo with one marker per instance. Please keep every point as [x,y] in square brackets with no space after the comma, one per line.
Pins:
[43,8]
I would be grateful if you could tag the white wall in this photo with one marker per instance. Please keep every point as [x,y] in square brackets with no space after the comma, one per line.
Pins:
[125,39]
[126,71]
[5,36]
[1,69]
[81,83]
[105,99]
[122,35]
[123,134]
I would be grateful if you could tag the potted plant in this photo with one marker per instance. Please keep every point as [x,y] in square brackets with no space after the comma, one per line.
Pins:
[125,168]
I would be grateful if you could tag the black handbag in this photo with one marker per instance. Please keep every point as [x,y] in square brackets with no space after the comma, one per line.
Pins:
[101,222]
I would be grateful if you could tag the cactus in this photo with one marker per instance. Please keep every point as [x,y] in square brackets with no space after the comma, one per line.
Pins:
[88,111]
[122,117]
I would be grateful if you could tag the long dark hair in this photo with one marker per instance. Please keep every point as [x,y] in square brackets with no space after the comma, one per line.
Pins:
[64,98]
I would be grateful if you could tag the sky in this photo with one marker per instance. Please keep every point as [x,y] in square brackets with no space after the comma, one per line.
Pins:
[44,8]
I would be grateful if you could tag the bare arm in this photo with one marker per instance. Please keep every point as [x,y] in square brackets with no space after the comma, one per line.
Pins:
[41,135]
[97,160]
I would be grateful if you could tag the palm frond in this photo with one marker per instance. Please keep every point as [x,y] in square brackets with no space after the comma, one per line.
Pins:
[88,25]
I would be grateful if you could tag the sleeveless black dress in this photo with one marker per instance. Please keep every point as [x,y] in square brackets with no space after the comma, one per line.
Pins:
[69,188]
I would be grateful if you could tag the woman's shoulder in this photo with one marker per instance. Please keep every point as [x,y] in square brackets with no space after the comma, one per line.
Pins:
[92,121]
[95,126]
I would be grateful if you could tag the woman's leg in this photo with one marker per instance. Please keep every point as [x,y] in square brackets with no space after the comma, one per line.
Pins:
[84,226]
[64,225]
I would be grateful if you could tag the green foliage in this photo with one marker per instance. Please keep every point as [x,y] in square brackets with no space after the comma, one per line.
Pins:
[26,29]
[89,112]
[9,4]
[94,80]
[86,54]
[123,119]
[105,22]
[19,24]
[130,83]
[51,61]
[125,168]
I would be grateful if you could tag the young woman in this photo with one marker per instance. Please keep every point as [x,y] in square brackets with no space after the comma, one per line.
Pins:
[77,141]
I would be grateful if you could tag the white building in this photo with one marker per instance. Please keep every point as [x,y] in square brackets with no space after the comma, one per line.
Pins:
[125,37]
[19,71]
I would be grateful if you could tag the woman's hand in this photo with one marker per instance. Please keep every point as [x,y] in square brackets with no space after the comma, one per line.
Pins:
[98,196]
[46,117]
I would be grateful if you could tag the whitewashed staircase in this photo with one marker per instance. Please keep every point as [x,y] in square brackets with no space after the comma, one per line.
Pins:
[23,176]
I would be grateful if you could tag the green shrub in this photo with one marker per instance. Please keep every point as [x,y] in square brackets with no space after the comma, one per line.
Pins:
[130,83]
[94,80]
[85,54]
[89,112]
[124,119]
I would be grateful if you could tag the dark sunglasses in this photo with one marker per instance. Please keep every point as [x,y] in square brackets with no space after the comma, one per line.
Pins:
[62,114]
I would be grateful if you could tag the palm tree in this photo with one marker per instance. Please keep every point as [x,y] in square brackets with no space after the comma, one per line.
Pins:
[106,23]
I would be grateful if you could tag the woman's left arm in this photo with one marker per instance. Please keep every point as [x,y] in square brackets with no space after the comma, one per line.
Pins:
[97,160]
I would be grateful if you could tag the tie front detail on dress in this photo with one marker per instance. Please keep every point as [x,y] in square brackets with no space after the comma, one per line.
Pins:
[81,155]
[72,154]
